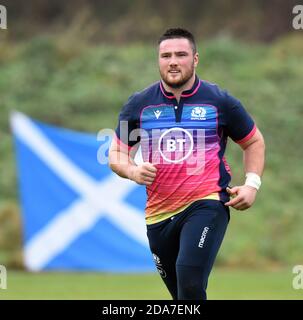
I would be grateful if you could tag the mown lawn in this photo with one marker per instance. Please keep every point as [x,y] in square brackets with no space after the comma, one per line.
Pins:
[224,284]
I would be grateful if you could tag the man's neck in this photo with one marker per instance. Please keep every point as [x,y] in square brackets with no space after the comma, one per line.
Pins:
[178,91]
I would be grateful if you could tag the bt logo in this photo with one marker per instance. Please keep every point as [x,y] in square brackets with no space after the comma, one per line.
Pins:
[173,142]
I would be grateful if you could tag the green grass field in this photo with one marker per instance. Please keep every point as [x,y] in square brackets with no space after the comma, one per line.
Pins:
[224,284]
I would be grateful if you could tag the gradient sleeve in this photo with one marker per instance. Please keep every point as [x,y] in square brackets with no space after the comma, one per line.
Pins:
[127,130]
[239,124]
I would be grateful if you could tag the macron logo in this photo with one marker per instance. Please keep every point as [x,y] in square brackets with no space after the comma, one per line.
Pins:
[203,236]
[157,113]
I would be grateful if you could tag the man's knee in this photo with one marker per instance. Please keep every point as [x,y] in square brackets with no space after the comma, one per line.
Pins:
[191,292]
[191,283]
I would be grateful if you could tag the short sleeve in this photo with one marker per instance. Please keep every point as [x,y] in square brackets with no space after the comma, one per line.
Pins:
[239,124]
[127,124]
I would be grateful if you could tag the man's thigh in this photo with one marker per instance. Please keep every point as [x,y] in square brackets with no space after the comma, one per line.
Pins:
[202,234]
[164,245]
[200,239]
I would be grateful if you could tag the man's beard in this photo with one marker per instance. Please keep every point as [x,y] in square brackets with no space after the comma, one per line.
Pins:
[181,82]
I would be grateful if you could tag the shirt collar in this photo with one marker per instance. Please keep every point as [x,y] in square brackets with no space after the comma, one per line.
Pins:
[186,93]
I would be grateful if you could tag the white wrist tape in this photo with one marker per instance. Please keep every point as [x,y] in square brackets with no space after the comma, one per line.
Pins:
[252,180]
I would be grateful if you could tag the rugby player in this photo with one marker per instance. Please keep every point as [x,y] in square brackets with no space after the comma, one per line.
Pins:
[182,124]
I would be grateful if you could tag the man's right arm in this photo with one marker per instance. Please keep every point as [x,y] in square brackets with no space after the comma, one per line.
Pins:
[121,161]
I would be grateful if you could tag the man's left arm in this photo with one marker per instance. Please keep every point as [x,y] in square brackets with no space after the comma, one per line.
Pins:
[253,158]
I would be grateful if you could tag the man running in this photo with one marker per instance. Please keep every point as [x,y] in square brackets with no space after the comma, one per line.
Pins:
[182,124]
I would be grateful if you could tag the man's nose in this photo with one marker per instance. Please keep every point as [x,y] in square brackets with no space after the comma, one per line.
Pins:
[173,61]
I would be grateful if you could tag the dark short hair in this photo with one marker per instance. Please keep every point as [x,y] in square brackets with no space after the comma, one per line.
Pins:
[175,33]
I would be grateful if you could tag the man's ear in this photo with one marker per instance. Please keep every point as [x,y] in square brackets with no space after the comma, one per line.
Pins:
[196,59]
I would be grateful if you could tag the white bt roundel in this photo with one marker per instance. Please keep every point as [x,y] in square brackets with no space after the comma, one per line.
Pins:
[175,145]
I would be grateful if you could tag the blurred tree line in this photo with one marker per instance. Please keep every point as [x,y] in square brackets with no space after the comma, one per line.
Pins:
[136,20]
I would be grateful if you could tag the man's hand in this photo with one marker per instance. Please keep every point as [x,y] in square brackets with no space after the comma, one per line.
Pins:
[144,173]
[243,197]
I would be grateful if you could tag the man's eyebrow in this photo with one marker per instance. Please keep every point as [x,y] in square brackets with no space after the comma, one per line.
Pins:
[176,52]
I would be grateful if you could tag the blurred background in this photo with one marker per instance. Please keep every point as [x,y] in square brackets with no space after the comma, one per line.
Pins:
[74,63]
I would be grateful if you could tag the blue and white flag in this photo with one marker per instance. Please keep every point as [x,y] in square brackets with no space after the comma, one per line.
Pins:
[77,214]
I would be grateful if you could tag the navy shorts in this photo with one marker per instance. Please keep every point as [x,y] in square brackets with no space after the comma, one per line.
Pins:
[185,246]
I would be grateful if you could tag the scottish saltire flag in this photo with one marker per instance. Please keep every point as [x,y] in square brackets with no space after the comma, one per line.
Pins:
[77,214]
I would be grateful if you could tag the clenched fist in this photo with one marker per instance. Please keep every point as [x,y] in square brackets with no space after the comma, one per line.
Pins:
[144,173]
